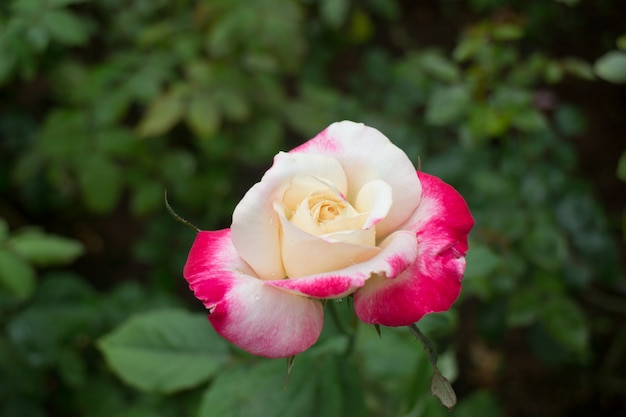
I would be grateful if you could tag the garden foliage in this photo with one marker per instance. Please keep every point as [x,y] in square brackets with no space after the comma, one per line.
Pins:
[105,104]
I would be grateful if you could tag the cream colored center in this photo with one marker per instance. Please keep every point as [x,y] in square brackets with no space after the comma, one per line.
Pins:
[318,209]
[324,207]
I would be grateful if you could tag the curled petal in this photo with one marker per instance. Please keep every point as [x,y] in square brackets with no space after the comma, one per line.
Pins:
[255,225]
[398,252]
[441,222]
[366,155]
[374,198]
[301,187]
[259,318]
[324,212]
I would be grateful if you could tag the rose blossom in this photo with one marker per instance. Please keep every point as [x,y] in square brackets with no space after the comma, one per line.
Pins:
[345,213]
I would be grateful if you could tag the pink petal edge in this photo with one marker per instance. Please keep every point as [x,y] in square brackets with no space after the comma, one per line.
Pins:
[263,320]
[441,222]
[399,251]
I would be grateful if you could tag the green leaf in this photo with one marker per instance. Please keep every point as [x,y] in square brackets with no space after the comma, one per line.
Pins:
[64,135]
[579,68]
[434,324]
[334,12]
[117,141]
[4,230]
[447,105]
[480,403]
[233,105]
[72,368]
[16,275]
[178,165]
[101,182]
[570,120]
[315,388]
[546,247]
[65,27]
[361,27]
[397,357]
[621,167]
[553,72]
[45,250]
[481,262]
[62,288]
[265,135]
[162,114]
[63,3]
[61,316]
[569,3]
[469,46]
[523,308]
[612,67]
[529,120]
[253,392]
[203,116]
[440,67]
[110,396]
[621,42]
[507,32]
[487,121]
[566,323]
[147,197]
[164,351]
[441,388]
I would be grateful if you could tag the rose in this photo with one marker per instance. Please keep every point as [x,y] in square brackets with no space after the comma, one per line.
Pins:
[345,213]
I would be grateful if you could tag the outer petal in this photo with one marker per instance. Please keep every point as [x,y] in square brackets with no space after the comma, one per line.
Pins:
[255,225]
[442,222]
[399,251]
[261,319]
[366,155]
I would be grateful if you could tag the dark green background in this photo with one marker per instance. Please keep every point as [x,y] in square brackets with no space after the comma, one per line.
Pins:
[104,104]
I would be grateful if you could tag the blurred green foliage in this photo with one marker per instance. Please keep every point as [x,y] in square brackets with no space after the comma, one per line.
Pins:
[105,104]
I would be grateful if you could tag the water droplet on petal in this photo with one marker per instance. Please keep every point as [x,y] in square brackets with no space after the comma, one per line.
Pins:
[257,297]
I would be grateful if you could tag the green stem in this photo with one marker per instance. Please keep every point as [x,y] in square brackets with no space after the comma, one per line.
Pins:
[440,387]
[428,346]
[336,319]
[350,333]
[352,336]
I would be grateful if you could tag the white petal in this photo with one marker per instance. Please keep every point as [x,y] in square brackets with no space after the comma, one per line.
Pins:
[255,227]
[366,155]
[359,237]
[374,198]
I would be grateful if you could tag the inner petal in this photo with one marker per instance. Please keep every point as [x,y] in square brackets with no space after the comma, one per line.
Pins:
[323,212]
[304,253]
[301,187]
[376,199]
[325,206]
